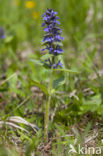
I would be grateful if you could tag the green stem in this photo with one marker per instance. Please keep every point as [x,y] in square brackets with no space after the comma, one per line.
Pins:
[47,108]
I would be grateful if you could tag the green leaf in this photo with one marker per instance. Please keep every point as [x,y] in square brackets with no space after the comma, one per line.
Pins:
[38,62]
[59,43]
[46,56]
[58,82]
[41,86]
[92,104]
[8,39]
[67,70]
[45,43]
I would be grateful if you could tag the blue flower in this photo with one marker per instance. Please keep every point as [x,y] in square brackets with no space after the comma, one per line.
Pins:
[52,37]
[58,50]
[48,48]
[58,64]
[2,35]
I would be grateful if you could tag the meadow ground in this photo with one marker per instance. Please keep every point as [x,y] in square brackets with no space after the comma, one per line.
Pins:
[76,108]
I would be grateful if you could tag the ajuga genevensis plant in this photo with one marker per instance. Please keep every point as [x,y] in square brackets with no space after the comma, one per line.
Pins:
[52,43]
[51,40]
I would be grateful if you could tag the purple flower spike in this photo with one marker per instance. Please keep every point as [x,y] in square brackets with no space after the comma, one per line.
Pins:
[52,38]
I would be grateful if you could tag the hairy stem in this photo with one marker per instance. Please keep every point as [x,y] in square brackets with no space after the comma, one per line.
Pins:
[47,107]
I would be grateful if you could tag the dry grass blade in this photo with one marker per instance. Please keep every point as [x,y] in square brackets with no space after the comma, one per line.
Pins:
[2,123]
[18,119]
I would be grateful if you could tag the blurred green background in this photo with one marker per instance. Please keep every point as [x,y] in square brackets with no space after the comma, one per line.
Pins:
[79,94]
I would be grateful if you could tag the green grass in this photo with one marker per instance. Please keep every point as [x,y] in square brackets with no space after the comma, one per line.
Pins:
[77,100]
